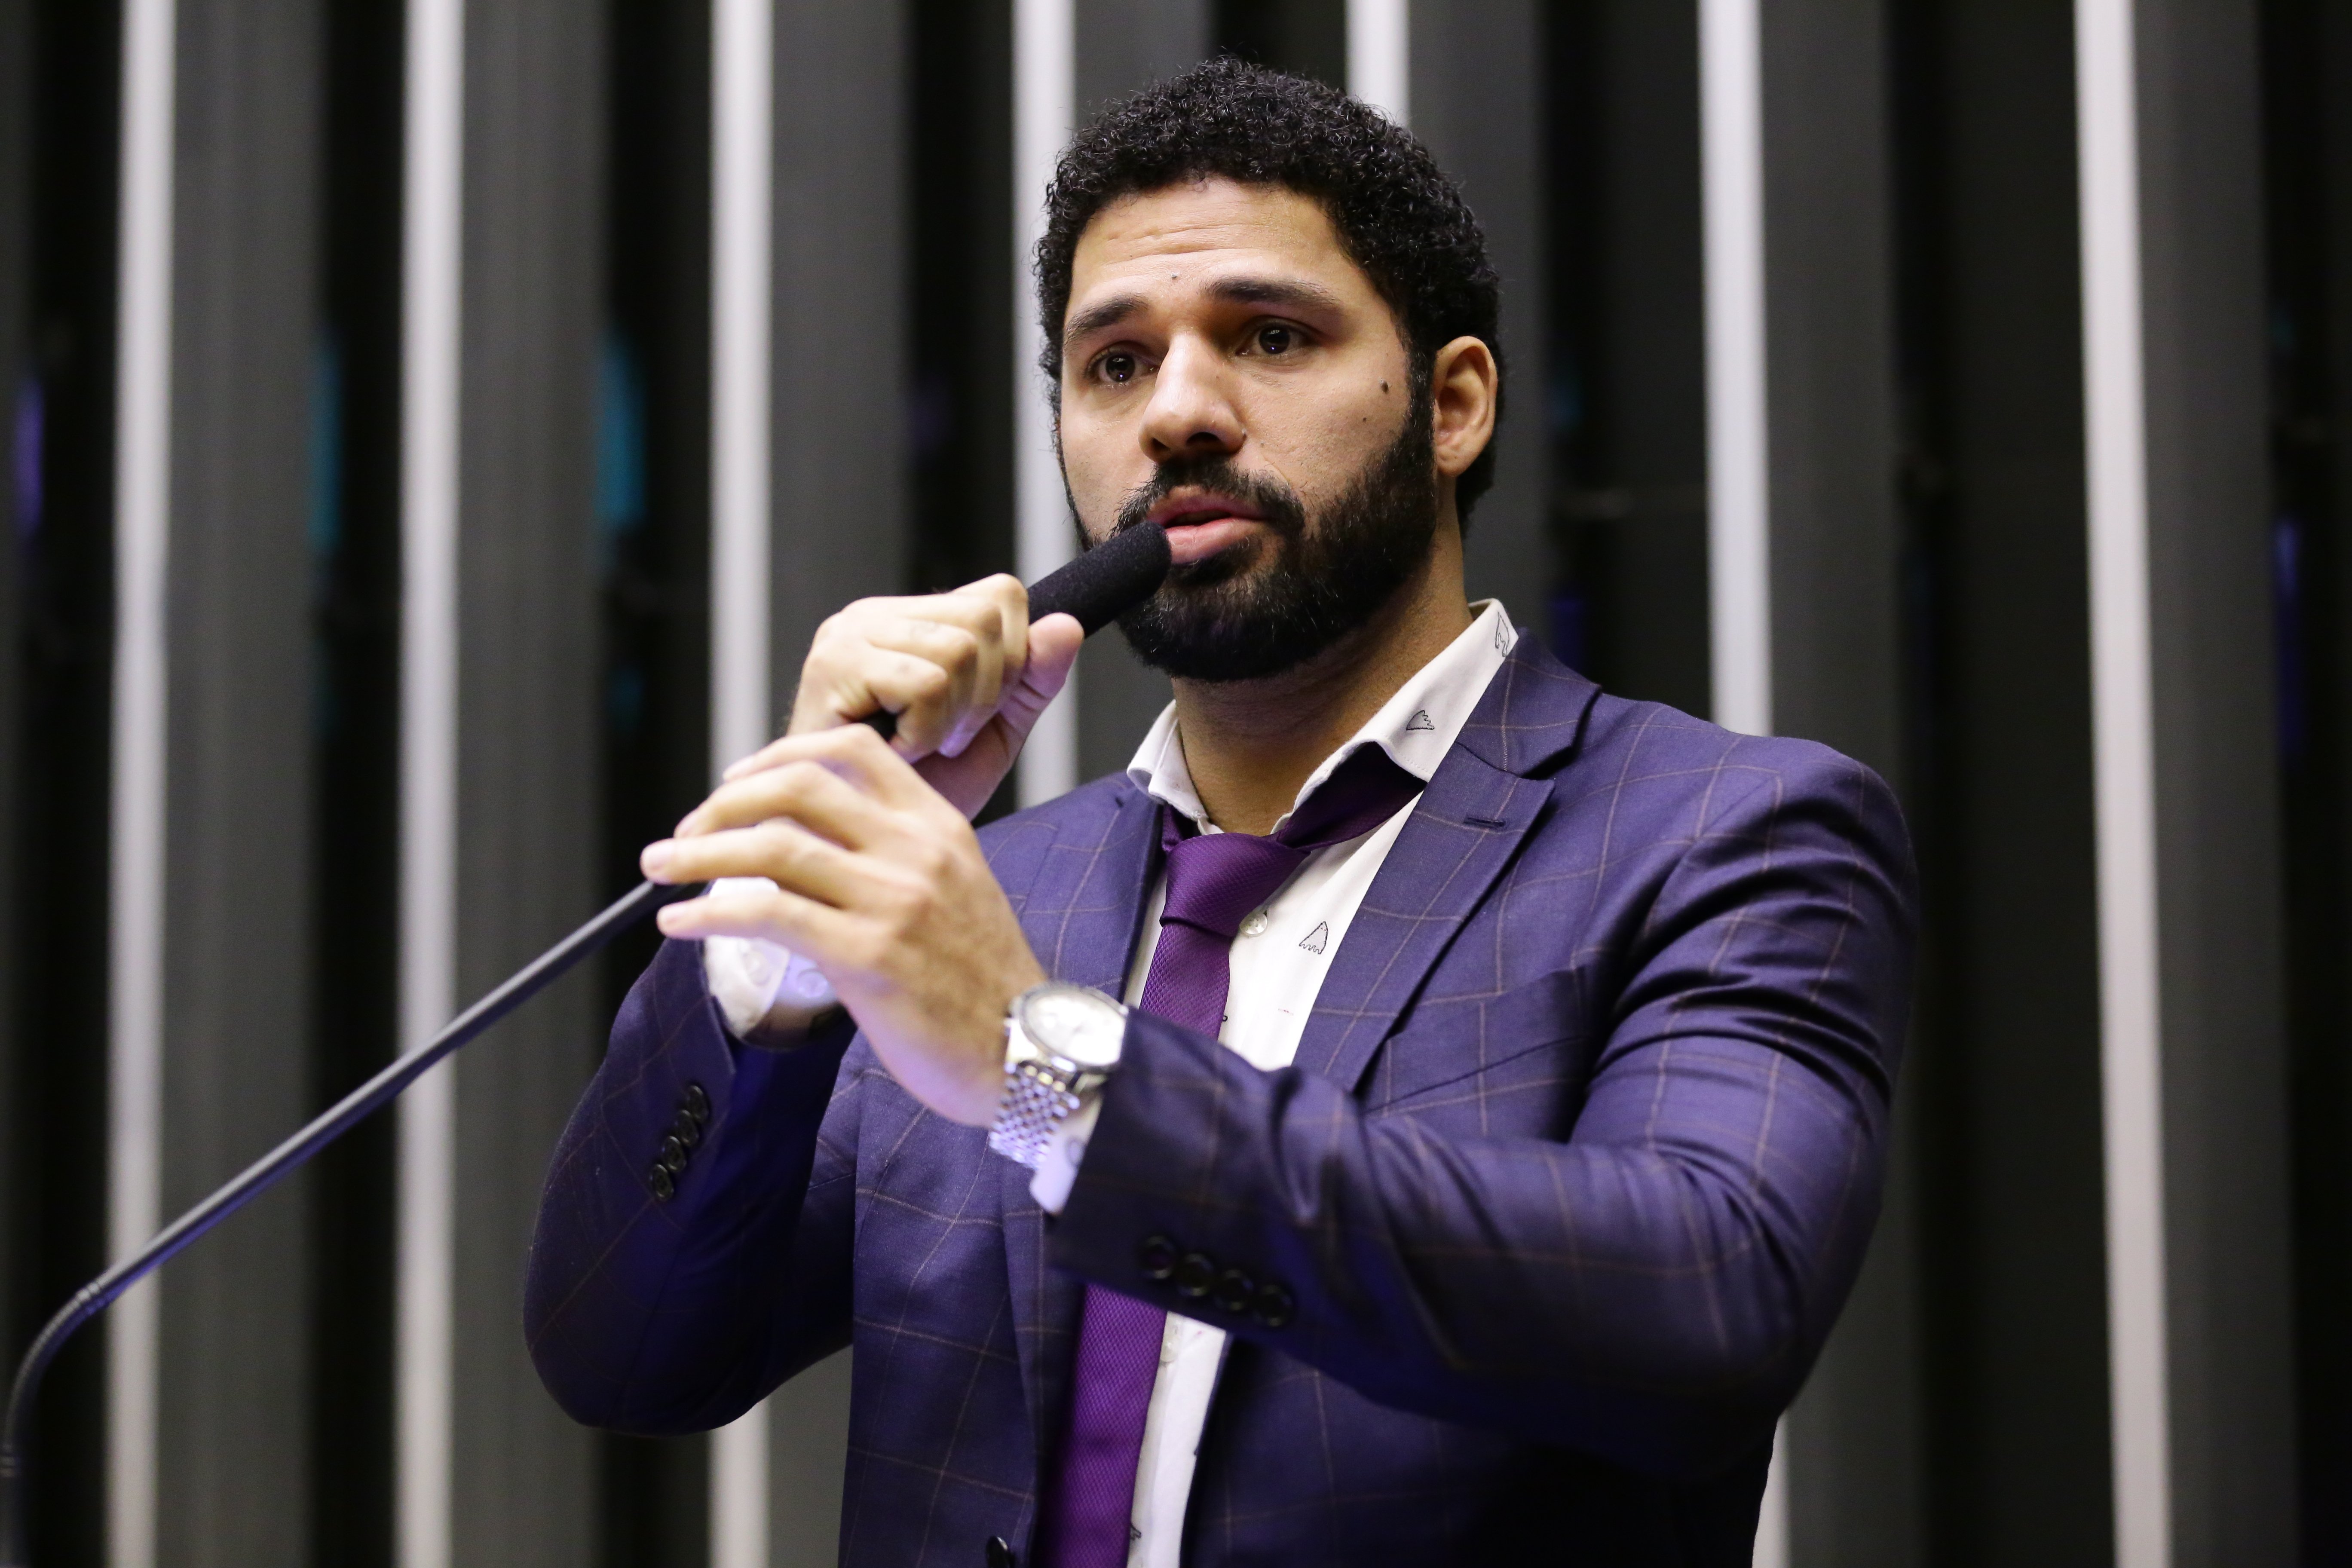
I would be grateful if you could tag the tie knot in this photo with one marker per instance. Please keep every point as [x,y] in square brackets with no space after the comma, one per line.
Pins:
[1215,879]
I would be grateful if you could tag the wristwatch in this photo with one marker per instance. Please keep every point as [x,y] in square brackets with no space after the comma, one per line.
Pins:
[1061,1043]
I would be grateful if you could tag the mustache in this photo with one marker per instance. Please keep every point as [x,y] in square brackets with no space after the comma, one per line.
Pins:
[1274,502]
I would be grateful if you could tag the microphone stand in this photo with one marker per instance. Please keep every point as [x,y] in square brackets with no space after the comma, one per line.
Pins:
[1096,588]
[16,1451]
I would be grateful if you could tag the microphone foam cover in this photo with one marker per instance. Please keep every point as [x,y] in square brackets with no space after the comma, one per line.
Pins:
[1106,582]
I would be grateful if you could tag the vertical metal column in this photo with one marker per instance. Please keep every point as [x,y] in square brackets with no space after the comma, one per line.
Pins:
[1831,545]
[432,318]
[1045,65]
[1731,133]
[838,431]
[1739,479]
[233,1364]
[522,1486]
[2187,787]
[135,957]
[2124,763]
[742,201]
[840,524]
[1380,55]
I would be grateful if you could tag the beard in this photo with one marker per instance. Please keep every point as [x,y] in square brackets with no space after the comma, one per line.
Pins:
[1267,607]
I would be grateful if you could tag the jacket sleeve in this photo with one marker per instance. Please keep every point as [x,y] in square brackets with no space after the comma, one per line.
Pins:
[1651,1288]
[675,1314]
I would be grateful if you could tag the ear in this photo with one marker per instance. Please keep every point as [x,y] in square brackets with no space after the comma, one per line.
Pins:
[1463,386]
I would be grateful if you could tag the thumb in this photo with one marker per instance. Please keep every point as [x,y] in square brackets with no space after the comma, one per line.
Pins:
[1054,645]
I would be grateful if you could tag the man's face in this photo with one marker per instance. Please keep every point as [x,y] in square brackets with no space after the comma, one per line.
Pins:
[1229,372]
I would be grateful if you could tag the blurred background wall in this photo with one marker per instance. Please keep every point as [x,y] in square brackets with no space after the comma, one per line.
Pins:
[434,432]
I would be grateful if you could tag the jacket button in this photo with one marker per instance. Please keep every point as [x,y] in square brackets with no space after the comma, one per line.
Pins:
[659,1179]
[672,1155]
[696,1103]
[1274,1306]
[1195,1274]
[1000,1553]
[1158,1257]
[1234,1290]
[686,1130]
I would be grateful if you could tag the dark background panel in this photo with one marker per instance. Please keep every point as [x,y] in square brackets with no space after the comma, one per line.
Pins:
[1478,102]
[651,531]
[1853,1441]
[60,663]
[233,1356]
[1622,409]
[961,325]
[2307,60]
[2005,1061]
[2217,782]
[840,496]
[16,394]
[354,605]
[1304,37]
[529,805]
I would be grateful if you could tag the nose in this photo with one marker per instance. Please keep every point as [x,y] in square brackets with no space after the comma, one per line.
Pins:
[1191,412]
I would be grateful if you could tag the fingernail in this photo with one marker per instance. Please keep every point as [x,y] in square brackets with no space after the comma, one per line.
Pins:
[656,858]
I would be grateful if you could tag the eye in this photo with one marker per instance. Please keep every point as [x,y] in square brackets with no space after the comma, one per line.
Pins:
[1275,339]
[1117,367]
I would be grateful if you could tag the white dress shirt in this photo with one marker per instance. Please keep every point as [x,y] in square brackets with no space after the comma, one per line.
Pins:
[1276,970]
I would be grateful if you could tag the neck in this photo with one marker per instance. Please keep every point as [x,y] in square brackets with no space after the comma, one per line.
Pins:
[1250,745]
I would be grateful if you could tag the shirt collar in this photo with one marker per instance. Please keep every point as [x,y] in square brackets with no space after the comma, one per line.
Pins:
[1416,727]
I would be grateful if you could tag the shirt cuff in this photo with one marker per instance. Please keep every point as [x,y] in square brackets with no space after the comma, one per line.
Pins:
[1058,1172]
[750,978]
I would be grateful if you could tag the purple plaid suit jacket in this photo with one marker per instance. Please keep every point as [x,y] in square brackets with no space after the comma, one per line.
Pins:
[1576,1165]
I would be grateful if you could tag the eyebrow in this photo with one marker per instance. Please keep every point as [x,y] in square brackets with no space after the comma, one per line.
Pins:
[1295,294]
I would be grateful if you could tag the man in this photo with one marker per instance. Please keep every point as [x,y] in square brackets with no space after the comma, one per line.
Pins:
[1497,1123]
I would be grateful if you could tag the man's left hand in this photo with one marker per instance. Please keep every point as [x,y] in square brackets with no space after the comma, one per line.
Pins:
[881,883]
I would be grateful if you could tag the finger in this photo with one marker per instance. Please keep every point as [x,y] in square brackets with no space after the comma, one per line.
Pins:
[776,753]
[972,655]
[1003,604]
[833,684]
[828,795]
[784,853]
[814,929]
[917,691]
[1054,645]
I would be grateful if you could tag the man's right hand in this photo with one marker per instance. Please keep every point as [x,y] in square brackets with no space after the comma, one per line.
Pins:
[964,673]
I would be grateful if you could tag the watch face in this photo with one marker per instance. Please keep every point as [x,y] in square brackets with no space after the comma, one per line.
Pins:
[1071,1021]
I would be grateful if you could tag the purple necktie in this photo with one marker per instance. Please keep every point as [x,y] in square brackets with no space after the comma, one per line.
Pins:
[1215,881]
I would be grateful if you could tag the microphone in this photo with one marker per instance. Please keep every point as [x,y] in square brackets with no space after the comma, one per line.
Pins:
[1097,588]
[1106,582]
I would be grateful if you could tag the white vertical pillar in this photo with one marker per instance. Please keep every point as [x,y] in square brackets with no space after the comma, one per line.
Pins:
[1045,67]
[1380,55]
[1739,588]
[142,485]
[1738,458]
[431,304]
[742,206]
[2123,755]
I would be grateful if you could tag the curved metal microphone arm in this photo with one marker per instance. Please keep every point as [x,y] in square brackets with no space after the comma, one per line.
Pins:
[1096,588]
[273,1167]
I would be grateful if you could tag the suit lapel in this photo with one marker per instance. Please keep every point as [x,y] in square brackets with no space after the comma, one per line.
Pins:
[1468,824]
[1081,911]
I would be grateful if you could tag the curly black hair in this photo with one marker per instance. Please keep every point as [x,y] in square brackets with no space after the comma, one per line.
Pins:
[1397,215]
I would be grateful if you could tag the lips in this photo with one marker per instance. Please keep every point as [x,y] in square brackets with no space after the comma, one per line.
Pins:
[1200,525]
